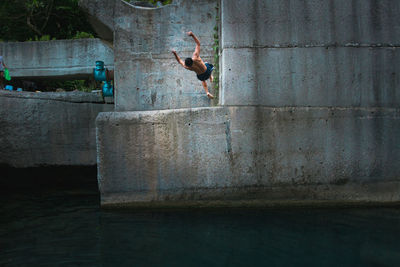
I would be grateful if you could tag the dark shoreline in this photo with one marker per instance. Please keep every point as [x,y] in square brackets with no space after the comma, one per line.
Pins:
[43,178]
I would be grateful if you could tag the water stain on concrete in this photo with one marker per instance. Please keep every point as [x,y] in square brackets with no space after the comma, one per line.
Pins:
[228,140]
[153,98]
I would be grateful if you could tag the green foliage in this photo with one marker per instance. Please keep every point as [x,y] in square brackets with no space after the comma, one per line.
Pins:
[163,2]
[216,55]
[33,20]
[81,35]
[42,38]
[72,85]
[75,85]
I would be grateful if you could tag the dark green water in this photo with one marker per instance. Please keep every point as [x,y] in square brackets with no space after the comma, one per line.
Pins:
[67,228]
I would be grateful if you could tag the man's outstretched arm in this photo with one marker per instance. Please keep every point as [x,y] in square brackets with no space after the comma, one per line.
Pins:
[180,61]
[197,50]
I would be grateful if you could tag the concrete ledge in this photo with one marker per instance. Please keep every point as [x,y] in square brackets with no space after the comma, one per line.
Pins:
[249,153]
[75,96]
[257,204]
[300,195]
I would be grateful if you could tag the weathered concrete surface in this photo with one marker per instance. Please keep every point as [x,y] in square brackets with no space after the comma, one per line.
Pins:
[73,58]
[310,53]
[247,153]
[309,109]
[335,76]
[280,23]
[147,76]
[39,129]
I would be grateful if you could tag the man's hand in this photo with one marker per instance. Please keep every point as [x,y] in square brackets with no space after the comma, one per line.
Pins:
[173,51]
[190,33]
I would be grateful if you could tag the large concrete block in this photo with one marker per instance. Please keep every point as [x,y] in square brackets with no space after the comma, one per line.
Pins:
[147,76]
[74,58]
[250,23]
[335,76]
[39,129]
[248,153]
[329,145]
[310,53]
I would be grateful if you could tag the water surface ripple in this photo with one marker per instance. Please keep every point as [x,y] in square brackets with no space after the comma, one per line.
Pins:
[69,229]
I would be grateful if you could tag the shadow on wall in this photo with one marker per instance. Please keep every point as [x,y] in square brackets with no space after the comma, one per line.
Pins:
[44,84]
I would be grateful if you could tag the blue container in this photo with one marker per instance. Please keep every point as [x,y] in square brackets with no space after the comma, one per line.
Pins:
[99,65]
[19,89]
[107,89]
[99,71]
[9,87]
[99,75]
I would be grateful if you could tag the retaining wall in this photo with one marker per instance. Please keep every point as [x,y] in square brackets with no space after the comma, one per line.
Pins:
[44,129]
[248,153]
[309,112]
[58,58]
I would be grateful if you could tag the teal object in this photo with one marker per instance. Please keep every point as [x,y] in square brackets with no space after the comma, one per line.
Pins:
[99,71]
[9,87]
[99,65]
[107,89]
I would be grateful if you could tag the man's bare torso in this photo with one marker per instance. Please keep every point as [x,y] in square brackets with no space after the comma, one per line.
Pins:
[198,66]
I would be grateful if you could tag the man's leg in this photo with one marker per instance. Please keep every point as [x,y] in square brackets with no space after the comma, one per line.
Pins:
[211,78]
[206,89]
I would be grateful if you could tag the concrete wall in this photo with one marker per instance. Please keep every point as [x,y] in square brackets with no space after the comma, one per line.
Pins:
[309,113]
[147,76]
[249,153]
[310,53]
[39,129]
[74,58]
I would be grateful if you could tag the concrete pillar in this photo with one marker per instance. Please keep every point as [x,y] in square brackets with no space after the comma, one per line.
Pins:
[147,76]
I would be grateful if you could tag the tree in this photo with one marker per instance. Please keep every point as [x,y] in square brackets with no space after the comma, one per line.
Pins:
[23,20]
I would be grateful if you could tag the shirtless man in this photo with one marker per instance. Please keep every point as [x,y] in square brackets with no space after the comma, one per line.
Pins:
[196,64]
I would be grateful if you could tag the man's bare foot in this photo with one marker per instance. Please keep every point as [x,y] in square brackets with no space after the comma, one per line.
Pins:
[210,96]
[211,78]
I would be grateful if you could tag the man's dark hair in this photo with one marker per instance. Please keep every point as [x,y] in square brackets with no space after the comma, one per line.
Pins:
[188,62]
